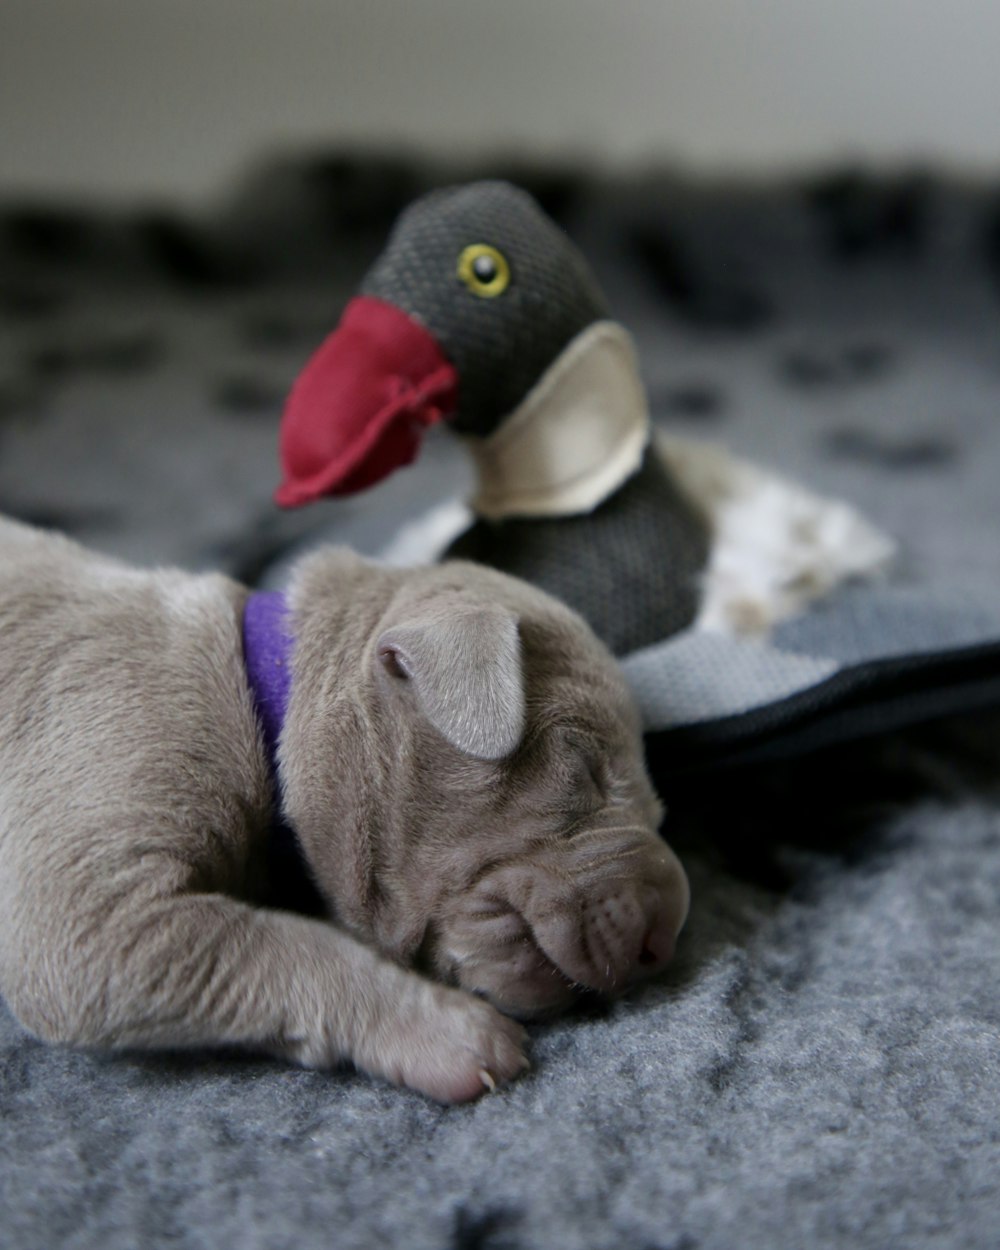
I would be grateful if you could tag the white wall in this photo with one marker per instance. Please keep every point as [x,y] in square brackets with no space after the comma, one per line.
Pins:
[171,97]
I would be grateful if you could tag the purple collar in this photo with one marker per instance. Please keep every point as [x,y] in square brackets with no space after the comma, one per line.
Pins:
[267,648]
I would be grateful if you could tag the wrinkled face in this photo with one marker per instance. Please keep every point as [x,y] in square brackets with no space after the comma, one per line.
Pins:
[555,879]
[478,806]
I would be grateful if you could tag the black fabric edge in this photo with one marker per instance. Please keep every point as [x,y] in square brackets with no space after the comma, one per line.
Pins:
[875,697]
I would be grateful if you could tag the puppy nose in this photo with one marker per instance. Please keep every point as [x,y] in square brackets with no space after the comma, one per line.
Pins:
[625,938]
[645,932]
[605,939]
[658,944]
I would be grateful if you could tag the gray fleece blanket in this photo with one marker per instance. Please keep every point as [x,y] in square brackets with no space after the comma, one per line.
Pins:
[821,1066]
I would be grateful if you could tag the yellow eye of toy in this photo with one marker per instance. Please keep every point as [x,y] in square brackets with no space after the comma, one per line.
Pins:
[484,270]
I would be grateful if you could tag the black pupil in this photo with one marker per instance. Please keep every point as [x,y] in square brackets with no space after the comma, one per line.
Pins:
[485,268]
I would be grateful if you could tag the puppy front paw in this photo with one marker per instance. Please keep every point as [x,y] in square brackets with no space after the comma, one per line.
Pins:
[447,1044]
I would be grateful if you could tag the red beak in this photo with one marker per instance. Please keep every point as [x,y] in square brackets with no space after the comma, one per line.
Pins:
[359,408]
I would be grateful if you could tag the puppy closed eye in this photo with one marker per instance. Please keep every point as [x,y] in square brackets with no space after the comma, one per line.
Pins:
[597,775]
[588,784]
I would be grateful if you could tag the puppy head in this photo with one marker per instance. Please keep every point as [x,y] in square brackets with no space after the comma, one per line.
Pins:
[463,765]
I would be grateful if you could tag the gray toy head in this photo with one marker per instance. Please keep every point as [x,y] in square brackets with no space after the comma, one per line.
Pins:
[475,296]
[499,286]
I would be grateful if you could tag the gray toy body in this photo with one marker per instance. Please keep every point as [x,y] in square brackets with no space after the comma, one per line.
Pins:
[599,562]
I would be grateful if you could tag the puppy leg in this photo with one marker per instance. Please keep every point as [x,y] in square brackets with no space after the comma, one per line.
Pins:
[197,970]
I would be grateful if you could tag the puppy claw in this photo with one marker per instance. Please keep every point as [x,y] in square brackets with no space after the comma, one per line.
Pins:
[447,1044]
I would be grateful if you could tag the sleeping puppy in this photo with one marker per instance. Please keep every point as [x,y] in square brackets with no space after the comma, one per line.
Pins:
[457,757]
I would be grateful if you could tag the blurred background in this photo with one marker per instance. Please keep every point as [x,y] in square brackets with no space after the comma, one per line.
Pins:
[151,98]
[793,206]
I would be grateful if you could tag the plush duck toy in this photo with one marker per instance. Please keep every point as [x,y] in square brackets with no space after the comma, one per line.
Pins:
[482,314]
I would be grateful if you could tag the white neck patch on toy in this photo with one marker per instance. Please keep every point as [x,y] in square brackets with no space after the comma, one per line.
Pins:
[577,436]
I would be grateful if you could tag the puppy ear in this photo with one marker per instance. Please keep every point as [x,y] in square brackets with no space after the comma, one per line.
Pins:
[465,670]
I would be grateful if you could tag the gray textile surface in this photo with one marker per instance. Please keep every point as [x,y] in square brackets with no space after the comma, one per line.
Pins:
[696,677]
[895,620]
[821,1067]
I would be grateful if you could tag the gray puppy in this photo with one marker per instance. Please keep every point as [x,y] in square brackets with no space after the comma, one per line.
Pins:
[459,760]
